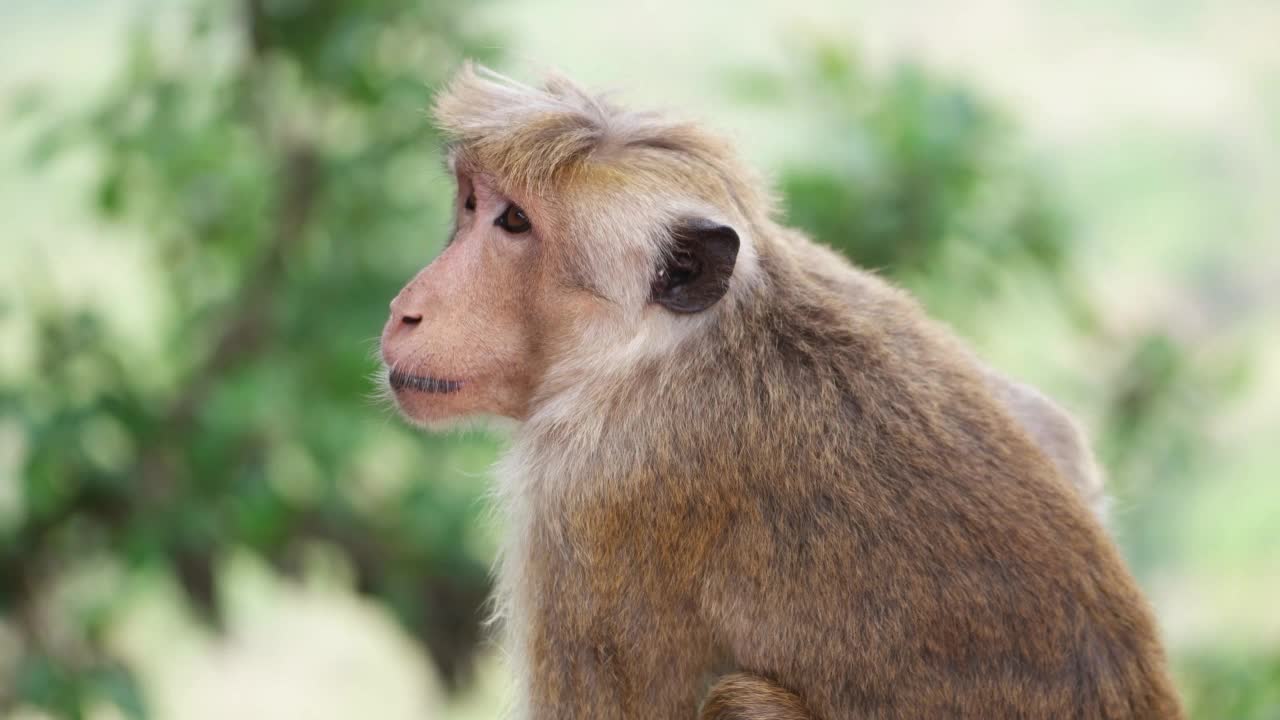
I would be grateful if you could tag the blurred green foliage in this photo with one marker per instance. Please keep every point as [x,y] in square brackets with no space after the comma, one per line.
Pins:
[1237,687]
[277,159]
[924,182]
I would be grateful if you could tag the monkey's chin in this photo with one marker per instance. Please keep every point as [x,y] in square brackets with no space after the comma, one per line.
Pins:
[426,400]
[432,410]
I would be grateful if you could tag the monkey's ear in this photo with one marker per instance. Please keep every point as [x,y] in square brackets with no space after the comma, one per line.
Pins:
[695,274]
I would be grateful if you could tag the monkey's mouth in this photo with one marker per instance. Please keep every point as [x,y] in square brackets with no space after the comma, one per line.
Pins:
[405,381]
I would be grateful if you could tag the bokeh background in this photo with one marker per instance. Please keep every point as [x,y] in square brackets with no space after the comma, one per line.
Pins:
[205,206]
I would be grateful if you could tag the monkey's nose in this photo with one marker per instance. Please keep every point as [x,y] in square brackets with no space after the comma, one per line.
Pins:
[408,312]
[400,328]
[404,314]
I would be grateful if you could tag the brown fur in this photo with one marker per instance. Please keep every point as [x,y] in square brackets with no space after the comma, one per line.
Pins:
[1051,427]
[747,697]
[809,492]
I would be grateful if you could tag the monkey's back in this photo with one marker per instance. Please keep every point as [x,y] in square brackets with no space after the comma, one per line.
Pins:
[882,538]
[921,559]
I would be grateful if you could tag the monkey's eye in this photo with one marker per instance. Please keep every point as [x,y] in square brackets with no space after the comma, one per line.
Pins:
[513,220]
[470,203]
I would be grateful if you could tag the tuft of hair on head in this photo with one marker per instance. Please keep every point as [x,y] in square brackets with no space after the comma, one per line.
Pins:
[529,136]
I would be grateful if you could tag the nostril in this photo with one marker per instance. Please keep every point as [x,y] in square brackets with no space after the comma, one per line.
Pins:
[411,319]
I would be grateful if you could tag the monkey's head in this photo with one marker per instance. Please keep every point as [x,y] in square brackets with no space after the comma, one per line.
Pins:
[586,239]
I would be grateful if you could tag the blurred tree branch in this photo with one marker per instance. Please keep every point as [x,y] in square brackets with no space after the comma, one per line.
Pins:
[245,326]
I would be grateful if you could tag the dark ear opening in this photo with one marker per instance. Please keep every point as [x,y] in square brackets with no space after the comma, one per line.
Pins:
[695,274]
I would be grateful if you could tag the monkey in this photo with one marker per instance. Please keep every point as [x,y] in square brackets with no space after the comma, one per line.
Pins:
[746,479]
[1052,428]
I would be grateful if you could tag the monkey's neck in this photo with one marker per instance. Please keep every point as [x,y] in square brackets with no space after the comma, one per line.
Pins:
[737,384]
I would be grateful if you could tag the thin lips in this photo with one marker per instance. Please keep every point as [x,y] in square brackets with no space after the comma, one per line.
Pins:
[401,380]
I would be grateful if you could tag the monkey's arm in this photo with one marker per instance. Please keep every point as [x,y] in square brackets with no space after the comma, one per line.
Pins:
[613,632]
[630,666]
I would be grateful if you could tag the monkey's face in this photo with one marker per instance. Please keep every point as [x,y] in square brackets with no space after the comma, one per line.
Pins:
[459,340]
[530,294]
